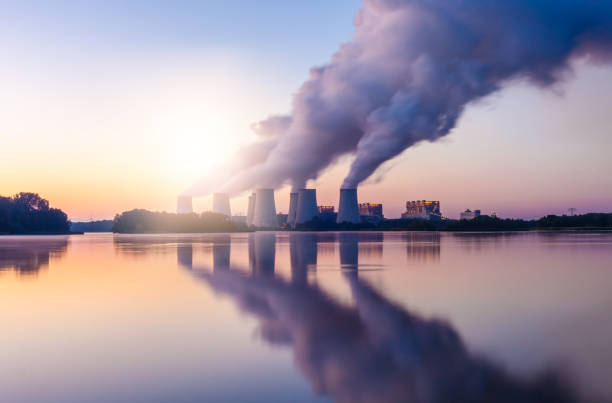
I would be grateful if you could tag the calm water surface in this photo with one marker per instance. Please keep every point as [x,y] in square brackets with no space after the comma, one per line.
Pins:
[279,317]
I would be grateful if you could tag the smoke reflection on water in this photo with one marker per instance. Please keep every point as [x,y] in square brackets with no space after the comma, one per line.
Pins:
[372,351]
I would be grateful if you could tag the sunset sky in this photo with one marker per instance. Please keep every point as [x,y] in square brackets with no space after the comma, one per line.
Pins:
[113,105]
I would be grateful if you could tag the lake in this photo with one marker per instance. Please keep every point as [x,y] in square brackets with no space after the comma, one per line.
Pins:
[307,317]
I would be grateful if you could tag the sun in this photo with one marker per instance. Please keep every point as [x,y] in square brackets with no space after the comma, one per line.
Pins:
[197,150]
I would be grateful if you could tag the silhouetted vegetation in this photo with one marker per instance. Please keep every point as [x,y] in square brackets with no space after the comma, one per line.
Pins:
[481,223]
[487,223]
[585,221]
[92,226]
[28,213]
[144,222]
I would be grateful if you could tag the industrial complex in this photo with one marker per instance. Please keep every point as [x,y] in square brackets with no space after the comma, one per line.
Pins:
[303,208]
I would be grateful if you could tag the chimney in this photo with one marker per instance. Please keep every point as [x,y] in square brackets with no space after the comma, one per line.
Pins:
[264,215]
[293,203]
[184,205]
[251,210]
[221,204]
[306,206]
[348,211]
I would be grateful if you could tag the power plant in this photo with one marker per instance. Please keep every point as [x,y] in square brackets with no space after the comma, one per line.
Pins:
[293,205]
[303,209]
[221,204]
[264,215]
[184,205]
[348,210]
[306,206]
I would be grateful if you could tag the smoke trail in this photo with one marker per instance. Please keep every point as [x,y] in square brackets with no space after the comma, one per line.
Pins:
[409,72]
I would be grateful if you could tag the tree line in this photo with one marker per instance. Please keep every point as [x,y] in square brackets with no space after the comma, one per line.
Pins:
[143,221]
[28,213]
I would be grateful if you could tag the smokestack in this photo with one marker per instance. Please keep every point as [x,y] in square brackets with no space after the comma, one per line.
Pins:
[184,205]
[265,210]
[348,211]
[293,203]
[251,210]
[221,204]
[306,206]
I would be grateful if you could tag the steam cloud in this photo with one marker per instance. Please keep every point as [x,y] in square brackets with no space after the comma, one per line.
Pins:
[409,72]
[377,351]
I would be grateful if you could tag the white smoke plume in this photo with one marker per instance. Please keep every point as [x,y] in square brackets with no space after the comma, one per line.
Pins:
[409,72]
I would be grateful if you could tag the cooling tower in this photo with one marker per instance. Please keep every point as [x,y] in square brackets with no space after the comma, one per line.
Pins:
[293,203]
[221,204]
[264,215]
[306,206]
[184,205]
[251,210]
[348,211]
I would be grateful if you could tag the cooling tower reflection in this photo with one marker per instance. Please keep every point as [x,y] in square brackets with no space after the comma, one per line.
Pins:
[374,350]
[262,253]
[26,256]
[221,252]
[349,250]
[303,248]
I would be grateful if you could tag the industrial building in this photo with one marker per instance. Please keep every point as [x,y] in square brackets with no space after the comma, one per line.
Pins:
[423,209]
[328,213]
[371,210]
[469,214]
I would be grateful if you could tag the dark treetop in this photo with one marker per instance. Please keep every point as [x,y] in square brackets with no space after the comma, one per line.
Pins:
[28,213]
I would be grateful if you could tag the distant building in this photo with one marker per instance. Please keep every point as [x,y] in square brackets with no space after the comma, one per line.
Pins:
[469,214]
[327,213]
[326,209]
[427,210]
[369,209]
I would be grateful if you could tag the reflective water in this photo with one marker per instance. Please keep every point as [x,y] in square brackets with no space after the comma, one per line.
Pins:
[266,317]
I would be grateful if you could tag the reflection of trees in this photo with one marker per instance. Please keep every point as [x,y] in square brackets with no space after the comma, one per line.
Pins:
[27,256]
[374,351]
[478,241]
[142,245]
[422,247]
